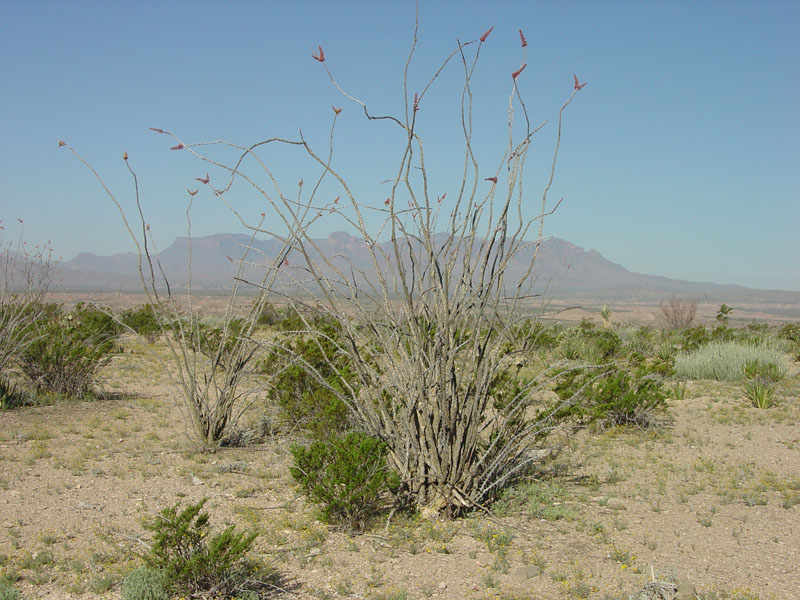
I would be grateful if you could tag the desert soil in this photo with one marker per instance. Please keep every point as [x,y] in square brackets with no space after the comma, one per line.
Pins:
[714,499]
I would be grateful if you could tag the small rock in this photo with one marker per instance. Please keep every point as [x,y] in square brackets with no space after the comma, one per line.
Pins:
[443,586]
[196,480]
[527,572]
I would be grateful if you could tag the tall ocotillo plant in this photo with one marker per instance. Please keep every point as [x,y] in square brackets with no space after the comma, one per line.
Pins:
[430,304]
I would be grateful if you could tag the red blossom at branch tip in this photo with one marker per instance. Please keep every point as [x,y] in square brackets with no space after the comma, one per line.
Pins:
[492,179]
[337,200]
[178,147]
[522,38]
[286,261]
[320,57]
[486,35]
[386,202]
[516,73]
[61,143]
[263,215]
[125,155]
[336,109]
[229,258]
[300,183]
[578,86]
[201,180]
[157,129]
[192,192]
[442,197]
[147,227]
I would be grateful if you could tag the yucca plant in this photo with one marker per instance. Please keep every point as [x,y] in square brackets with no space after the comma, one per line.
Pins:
[760,392]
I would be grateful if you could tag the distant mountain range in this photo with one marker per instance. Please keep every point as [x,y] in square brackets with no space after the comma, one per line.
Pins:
[562,268]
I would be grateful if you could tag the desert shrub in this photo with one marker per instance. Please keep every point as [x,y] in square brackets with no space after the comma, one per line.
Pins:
[727,361]
[531,336]
[9,592]
[694,337]
[269,316]
[790,331]
[640,341]
[616,397]
[754,369]
[11,396]
[679,312]
[145,584]
[308,375]
[588,342]
[25,278]
[69,350]
[193,562]
[144,321]
[348,475]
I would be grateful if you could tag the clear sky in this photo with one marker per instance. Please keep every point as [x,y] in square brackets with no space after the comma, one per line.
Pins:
[681,157]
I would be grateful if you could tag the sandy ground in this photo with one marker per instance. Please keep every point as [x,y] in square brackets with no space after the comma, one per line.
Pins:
[713,499]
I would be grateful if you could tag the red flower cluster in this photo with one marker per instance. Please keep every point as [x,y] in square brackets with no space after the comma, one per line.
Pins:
[178,147]
[522,38]
[492,179]
[336,110]
[320,57]
[516,73]
[486,35]
[578,86]
[201,180]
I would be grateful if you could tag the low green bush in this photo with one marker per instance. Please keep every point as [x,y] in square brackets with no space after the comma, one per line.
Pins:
[144,320]
[194,563]
[9,592]
[307,371]
[145,584]
[348,475]
[727,361]
[69,349]
[588,342]
[616,397]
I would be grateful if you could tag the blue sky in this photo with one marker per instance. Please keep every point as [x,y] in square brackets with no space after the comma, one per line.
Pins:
[681,157]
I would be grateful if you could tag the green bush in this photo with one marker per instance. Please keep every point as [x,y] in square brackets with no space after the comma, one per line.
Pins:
[616,397]
[193,563]
[145,584]
[144,320]
[727,361]
[9,592]
[69,350]
[347,475]
[694,337]
[307,372]
[587,342]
